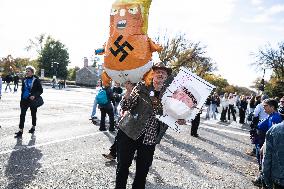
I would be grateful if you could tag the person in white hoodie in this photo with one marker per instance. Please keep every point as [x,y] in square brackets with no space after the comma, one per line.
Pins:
[225,105]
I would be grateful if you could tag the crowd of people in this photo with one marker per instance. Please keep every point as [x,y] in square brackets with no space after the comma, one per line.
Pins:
[139,131]
[265,117]
[260,112]
[8,79]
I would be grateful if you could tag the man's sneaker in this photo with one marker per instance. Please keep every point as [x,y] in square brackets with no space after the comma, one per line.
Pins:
[18,134]
[109,156]
[257,182]
[111,129]
[94,120]
[195,135]
[102,129]
[32,130]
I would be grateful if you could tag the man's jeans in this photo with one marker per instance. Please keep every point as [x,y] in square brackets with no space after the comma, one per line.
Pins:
[115,108]
[94,109]
[126,148]
[208,112]
[213,110]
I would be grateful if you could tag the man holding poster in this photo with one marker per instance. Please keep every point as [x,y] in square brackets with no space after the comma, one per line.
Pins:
[139,129]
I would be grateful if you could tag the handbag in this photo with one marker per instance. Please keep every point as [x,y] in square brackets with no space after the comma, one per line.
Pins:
[132,124]
[37,102]
[126,124]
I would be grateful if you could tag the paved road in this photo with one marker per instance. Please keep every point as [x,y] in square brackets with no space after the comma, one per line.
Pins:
[65,152]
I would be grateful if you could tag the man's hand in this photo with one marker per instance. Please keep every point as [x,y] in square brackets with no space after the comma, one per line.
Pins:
[32,97]
[181,121]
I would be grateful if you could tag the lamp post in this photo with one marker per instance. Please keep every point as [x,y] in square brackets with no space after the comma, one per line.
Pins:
[54,69]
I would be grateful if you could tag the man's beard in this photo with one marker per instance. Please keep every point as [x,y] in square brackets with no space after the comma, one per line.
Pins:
[176,109]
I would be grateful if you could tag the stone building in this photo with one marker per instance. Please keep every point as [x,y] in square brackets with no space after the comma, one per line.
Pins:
[87,76]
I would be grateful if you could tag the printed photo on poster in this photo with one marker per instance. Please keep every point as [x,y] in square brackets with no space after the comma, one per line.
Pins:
[184,98]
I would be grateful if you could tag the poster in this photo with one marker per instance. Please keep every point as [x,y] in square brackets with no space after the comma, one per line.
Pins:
[184,98]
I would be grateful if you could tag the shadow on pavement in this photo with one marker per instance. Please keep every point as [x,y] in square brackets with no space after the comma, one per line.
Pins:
[228,150]
[178,158]
[23,164]
[222,135]
[202,155]
[111,136]
[159,182]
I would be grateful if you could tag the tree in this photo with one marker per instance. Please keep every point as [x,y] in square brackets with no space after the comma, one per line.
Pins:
[274,87]
[8,65]
[38,43]
[72,73]
[219,82]
[179,51]
[273,59]
[244,91]
[269,58]
[172,47]
[21,63]
[54,58]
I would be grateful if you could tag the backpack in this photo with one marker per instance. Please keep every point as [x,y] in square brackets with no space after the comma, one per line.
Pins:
[101,97]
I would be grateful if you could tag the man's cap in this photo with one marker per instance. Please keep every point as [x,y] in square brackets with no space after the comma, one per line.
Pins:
[162,66]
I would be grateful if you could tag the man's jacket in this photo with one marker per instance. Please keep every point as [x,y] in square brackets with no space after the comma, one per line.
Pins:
[36,88]
[139,114]
[273,162]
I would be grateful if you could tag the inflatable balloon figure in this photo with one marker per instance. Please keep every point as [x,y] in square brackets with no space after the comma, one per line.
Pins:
[128,51]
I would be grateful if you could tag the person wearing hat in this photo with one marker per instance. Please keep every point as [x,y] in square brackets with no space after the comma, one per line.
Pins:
[139,129]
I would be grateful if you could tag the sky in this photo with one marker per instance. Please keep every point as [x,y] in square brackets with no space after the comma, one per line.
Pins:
[231,30]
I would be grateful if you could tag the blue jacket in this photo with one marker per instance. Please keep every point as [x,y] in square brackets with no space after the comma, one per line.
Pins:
[265,125]
[273,161]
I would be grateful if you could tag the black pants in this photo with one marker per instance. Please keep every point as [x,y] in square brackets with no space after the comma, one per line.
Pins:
[242,115]
[24,104]
[223,114]
[194,124]
[231,110]
[113,148]
[276,186]
[126,148]
[16,85]
[110,114]
[8,85]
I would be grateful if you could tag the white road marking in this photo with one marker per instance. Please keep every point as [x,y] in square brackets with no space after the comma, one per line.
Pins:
[51,142]
[225,131]
[92,134]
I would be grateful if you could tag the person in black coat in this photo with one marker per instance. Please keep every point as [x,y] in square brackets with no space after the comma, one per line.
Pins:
[8,80]
[16,82]
[242,109]
[31,89]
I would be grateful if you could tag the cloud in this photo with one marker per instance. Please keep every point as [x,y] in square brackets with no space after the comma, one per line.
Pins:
[202,11]
[256,2]
[266,16]
[278,28]
[275,10]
